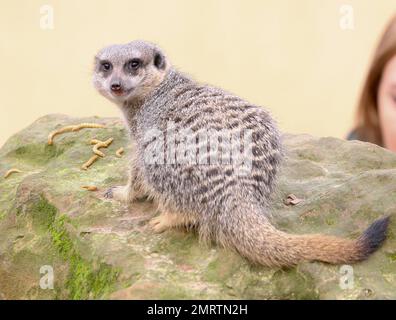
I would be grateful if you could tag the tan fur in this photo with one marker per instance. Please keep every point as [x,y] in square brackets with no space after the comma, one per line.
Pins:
[167,220]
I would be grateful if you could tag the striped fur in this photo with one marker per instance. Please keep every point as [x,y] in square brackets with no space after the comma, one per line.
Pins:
[224,195]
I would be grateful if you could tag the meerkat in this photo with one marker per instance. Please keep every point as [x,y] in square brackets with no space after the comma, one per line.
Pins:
[223,195]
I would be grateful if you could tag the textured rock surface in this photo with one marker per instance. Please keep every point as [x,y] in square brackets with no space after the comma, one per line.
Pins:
[101,249]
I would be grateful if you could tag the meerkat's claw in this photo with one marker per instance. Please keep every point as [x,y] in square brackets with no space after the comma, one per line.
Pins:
[109,193]
[168,220]
[159,224]
[119,193]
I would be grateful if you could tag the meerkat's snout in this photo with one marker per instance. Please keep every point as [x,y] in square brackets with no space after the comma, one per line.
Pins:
[117,88]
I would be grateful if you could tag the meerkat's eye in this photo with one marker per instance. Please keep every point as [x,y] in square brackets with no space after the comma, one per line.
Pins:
[105,66]
[133,64]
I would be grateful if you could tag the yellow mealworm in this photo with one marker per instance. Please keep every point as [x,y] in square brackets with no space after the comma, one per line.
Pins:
[108,142]
[72,128]
[101,144]
[87,164]
[90,188]
[56,132]
[95,141]
[119,152]
[11,171]
[97,152]
[88,125]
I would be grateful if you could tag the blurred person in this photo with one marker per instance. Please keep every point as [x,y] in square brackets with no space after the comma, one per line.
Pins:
[376,112]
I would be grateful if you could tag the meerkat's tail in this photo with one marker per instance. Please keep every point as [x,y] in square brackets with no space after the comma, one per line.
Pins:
[253,236]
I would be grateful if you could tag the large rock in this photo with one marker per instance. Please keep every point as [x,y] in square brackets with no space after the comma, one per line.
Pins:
[101,249]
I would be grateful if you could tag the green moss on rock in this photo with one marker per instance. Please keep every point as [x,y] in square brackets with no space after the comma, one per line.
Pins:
[36,153]
[84,281]
[42,212]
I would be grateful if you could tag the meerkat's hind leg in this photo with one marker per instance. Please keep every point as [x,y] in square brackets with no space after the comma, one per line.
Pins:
[167,220]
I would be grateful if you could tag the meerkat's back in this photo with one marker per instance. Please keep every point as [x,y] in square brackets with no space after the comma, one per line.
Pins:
[215,144]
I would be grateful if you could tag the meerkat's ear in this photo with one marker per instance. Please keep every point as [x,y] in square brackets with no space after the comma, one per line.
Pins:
[159,60]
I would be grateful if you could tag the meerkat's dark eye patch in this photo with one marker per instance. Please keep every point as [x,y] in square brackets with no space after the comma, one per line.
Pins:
[159,60]
[133,64]
[105,66]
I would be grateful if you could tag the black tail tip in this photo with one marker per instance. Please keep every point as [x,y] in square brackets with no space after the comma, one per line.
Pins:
[374,236]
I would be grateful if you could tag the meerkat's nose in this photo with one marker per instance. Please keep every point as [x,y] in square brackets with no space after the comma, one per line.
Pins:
[116,86]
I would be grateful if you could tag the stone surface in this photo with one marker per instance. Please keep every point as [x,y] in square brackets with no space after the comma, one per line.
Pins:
[100,249]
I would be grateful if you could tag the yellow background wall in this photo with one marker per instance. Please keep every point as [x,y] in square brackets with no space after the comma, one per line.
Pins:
[288,55]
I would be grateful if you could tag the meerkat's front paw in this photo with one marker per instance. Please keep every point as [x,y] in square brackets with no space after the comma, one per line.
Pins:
[109,193]
[120,193]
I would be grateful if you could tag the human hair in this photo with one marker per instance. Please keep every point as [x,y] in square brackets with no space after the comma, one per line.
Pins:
[367,124]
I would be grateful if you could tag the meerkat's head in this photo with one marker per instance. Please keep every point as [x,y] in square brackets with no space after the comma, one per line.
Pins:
[129,72]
